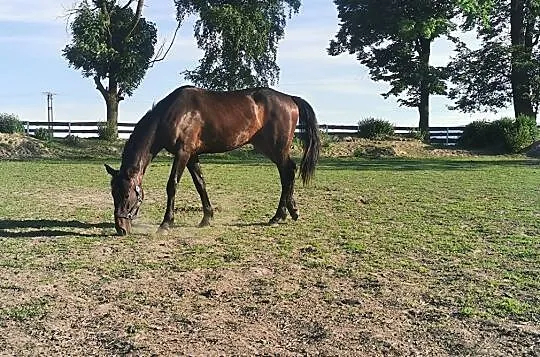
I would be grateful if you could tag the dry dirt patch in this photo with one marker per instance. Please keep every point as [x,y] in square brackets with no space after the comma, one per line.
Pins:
[395,147]
[253,309]
[19,146]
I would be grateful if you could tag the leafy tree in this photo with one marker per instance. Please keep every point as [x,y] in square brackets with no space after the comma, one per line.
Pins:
[114,43]
[393,39]
[239,39]
[10,123]
[506,68]
[477,8]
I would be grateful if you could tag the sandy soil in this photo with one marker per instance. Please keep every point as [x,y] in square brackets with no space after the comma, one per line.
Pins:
[19,146]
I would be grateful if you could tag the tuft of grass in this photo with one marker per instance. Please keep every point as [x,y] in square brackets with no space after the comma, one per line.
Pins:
[37,308]
[507,306]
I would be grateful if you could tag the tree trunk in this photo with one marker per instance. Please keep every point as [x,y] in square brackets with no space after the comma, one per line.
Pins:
[111,97]
[522,44]
[112,114]
[423,102]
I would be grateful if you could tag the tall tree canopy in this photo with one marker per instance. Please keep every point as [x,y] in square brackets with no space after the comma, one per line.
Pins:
[111,42]
[239,39]
[506,68]
[393,39]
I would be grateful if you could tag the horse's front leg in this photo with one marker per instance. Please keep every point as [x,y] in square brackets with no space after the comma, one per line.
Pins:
[194,168]
[178,166]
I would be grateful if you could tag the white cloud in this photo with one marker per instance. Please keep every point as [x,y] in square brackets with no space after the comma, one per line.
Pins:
[338,87]
[160,11]
[31,11]
[25,40]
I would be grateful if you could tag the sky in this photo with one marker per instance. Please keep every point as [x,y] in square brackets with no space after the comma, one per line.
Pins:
[33,34]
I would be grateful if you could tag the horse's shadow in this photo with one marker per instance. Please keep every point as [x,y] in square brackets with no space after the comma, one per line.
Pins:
[33,228]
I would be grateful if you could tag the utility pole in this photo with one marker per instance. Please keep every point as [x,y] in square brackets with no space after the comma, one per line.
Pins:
[50,113]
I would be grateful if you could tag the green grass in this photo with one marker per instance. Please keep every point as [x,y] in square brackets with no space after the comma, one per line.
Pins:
[25,311]
[458,235]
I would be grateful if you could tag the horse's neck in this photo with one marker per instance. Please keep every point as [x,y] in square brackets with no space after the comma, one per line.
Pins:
[138,153]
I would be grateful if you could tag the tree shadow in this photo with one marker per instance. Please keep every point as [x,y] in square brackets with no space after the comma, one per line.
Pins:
[11,228]
[393,164]
[383,163]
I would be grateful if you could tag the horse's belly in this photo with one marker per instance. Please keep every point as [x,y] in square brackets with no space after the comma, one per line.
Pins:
[227,138]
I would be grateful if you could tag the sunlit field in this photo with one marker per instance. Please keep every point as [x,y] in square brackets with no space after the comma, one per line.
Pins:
[389,257]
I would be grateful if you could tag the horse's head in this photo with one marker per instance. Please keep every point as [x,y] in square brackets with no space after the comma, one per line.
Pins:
[128,196]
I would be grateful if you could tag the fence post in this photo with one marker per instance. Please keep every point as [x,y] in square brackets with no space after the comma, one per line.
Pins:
[69,128]
[27,128]
[447,134]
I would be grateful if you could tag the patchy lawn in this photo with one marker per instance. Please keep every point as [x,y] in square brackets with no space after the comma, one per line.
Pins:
[390,257]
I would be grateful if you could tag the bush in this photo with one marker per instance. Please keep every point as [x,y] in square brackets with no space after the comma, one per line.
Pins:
[475,135]
[72,140]
[10,123]
[415,134]
[372,128]
[505,135]
[107,132]
[42,134]
[526,129]
[327,139]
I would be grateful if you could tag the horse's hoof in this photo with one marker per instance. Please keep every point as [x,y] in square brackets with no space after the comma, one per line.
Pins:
[294,215]
[163,228]
[204,223]
[275,221]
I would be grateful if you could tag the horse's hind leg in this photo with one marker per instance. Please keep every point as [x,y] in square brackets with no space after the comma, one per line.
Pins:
[286,202]
[194,168]
[291,204]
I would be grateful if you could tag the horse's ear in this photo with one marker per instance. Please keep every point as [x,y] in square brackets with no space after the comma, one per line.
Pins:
[111,171]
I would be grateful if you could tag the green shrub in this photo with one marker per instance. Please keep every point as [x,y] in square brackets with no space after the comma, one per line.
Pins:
[10,123]
[532,124]
[505,135]
[42,134]
[327,139]
[525,133]
[107,132]
[511,135]
[372,128]
[475,135]
[415,134]
[72,140]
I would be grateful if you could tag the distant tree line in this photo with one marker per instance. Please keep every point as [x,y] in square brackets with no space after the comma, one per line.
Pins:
[114,45]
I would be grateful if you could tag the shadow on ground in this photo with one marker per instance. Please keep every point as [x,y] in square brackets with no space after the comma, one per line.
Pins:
[383,164]
[32,228]
[420,164]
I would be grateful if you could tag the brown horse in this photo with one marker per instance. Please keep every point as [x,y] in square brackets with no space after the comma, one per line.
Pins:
[192,121]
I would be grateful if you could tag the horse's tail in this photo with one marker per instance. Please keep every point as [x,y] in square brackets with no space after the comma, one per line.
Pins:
[309,134]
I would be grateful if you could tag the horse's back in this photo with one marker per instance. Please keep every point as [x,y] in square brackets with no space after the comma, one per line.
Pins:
[217,121]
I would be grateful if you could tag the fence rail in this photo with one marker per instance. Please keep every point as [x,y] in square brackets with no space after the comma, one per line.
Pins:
[439,135]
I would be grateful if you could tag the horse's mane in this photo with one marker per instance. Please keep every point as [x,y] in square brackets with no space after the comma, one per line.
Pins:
[139,141]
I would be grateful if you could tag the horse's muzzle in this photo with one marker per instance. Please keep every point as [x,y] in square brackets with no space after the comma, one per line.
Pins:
[122,225]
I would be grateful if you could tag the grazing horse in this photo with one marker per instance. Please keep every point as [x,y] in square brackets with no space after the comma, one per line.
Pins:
[192,121]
